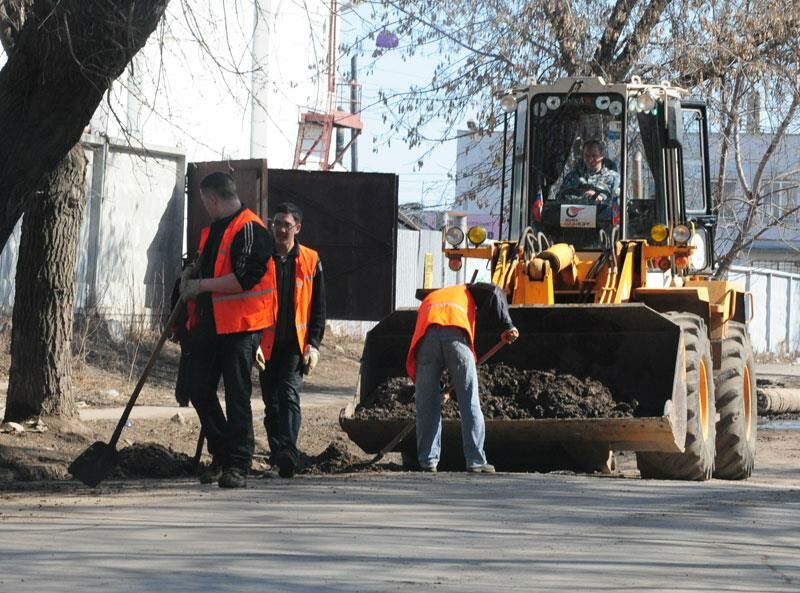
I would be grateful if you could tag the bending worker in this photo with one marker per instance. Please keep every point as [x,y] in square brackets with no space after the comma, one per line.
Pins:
[228,306]
[444,338]
[291,345]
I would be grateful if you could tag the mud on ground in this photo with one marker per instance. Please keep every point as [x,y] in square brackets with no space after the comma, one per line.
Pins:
[104,374]
[508,393]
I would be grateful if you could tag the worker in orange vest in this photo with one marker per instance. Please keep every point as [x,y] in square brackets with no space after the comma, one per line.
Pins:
[444,338]
[228,304]
[290,346]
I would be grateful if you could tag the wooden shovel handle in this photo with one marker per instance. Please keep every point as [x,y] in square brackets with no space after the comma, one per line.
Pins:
[491,352]
[151,361]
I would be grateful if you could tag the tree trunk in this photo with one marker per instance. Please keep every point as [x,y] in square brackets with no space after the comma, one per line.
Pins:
[41,335]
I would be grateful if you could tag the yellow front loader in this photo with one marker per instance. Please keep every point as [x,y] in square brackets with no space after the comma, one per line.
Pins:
[608,269]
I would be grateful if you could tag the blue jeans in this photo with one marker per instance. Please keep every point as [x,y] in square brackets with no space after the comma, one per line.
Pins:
[440,348]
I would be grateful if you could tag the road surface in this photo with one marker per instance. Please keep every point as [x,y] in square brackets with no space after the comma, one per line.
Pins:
[407,532]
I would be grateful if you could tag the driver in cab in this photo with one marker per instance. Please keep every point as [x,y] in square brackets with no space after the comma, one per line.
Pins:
[592,179]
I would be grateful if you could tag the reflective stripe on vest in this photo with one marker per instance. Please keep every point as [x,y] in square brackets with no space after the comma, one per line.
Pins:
[305,264]
[250,310]
[452,306]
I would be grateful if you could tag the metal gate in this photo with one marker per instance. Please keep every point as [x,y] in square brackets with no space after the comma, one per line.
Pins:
[351,219]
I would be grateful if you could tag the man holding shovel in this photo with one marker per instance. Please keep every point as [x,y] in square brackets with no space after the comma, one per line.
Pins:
[444,339]
[229,302]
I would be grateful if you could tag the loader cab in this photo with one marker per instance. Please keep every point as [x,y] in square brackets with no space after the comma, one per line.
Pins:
[653,177]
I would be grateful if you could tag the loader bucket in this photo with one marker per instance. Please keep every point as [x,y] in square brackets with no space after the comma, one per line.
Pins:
[631,348]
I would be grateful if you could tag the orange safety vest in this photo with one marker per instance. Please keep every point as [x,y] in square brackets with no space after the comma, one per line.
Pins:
[304,267]
[250,310]
[452,307]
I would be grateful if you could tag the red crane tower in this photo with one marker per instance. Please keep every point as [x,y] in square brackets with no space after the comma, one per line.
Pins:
[316,129]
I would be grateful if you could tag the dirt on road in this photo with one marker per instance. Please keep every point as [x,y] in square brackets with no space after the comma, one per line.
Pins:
[104,375]
[163,447]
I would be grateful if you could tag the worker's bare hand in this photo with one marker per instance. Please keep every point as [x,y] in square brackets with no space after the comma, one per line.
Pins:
[510,335]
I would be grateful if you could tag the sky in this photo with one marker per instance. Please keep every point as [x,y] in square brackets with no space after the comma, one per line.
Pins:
[214,122]
[430,183]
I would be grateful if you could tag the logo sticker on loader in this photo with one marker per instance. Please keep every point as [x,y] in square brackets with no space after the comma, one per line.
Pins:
[582,217]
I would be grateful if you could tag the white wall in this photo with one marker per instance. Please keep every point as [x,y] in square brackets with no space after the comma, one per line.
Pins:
[140,232]
[132,233]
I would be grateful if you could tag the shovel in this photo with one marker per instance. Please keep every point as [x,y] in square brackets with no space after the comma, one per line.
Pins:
[96,463]
[410,426]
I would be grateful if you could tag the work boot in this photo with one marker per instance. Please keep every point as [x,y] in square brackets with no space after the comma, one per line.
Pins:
[286,463]
[233,477]
[211,473]
[428,468]
[486,468]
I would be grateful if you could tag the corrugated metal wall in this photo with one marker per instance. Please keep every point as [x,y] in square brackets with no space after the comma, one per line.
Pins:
[411,249]
[775,325]
[409,271]
[351,220]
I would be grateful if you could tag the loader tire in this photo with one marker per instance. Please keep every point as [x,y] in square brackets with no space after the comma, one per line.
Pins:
[735,384]
[697,460]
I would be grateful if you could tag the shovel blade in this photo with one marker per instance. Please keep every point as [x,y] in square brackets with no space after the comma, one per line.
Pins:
[95,464]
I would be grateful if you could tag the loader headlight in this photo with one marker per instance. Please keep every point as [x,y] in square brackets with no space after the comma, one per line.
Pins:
[508,103]
[645,102]
[454,236]
[659,233]
[681,234]
[476,235]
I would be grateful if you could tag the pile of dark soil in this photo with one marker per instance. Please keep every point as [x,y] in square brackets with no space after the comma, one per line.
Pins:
[509,393]
[332,460]
[336,460]
[151,460]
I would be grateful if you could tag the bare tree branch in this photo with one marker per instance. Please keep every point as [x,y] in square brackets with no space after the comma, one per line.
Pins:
[616,23]
[637,40]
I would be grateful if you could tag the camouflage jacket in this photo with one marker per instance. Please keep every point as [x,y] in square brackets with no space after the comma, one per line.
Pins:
[605,180]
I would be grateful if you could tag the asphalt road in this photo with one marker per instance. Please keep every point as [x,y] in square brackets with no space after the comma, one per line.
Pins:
[412,532]
[406,532]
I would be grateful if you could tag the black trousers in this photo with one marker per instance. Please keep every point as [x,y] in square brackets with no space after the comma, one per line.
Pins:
[281,381]
[230,356]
